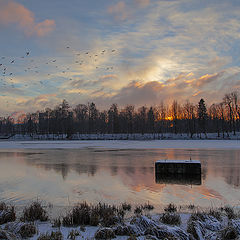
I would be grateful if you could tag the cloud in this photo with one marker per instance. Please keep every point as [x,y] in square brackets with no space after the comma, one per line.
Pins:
[136,93]
[15,13]
[122,10]
[185,86]
[142,3]
[205,79]
[118,10]
[41,101]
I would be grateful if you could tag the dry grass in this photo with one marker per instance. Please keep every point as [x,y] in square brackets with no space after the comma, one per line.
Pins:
[198,216]
[7,213]
[170,218]
[56,223]
[52,236]
[73,234]
[170,208]
[126,206]
[105,233]
[27,230]
[228,233]
[230,212]
[138,210]
[34,212]
[215,213]
[85,214]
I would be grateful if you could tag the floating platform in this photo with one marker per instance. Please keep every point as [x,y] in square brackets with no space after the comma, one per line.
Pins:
[182,172]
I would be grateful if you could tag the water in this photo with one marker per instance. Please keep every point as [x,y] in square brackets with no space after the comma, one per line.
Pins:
[64,177]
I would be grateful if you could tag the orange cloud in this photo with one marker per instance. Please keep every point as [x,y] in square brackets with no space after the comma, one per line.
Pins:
[208,78]
[15,13]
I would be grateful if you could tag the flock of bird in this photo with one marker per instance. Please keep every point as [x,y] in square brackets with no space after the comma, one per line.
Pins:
[32,67]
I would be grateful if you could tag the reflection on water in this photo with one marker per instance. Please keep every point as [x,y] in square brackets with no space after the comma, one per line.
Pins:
[180,179]
[67,176]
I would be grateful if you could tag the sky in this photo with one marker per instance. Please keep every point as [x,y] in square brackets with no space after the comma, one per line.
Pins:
[139,52]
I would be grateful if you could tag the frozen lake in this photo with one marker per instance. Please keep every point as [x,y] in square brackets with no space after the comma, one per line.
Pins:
[64,173]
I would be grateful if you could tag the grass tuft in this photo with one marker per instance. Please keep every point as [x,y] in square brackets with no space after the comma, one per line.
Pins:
[52,236]
[138,210]
[105,233]
[126,206]
[56,223]
[85,214]
[27,230]
[73,234]
[230,212]
[228,233]
[7,213]
[170,218]
[215,213]
[170,208]
[34,212]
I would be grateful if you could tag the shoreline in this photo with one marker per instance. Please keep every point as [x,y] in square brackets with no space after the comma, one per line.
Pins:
[120,144]
[102,221]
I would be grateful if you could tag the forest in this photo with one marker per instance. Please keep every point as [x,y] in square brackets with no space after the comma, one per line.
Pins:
[221,118]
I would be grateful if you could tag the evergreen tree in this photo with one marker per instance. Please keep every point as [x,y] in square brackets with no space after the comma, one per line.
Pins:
[202,115]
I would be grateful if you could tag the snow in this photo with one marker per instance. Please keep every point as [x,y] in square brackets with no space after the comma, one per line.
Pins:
[207,228]
[178,161]
[121,144]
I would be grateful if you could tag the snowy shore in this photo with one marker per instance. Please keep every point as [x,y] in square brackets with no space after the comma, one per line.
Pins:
[121,144]
[110,222]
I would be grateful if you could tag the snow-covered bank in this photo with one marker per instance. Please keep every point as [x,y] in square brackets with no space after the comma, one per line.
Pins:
[124,144]
[111,223]
[124,136]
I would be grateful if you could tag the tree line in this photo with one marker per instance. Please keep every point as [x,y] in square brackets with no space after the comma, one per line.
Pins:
[221,118]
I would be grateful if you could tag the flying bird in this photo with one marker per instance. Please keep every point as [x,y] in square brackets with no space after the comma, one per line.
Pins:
[12,61]
[27,53]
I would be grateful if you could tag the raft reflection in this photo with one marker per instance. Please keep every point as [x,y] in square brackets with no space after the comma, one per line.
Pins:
[180,179]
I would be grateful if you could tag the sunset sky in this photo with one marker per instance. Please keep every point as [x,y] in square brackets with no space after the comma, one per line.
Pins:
[117,51]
